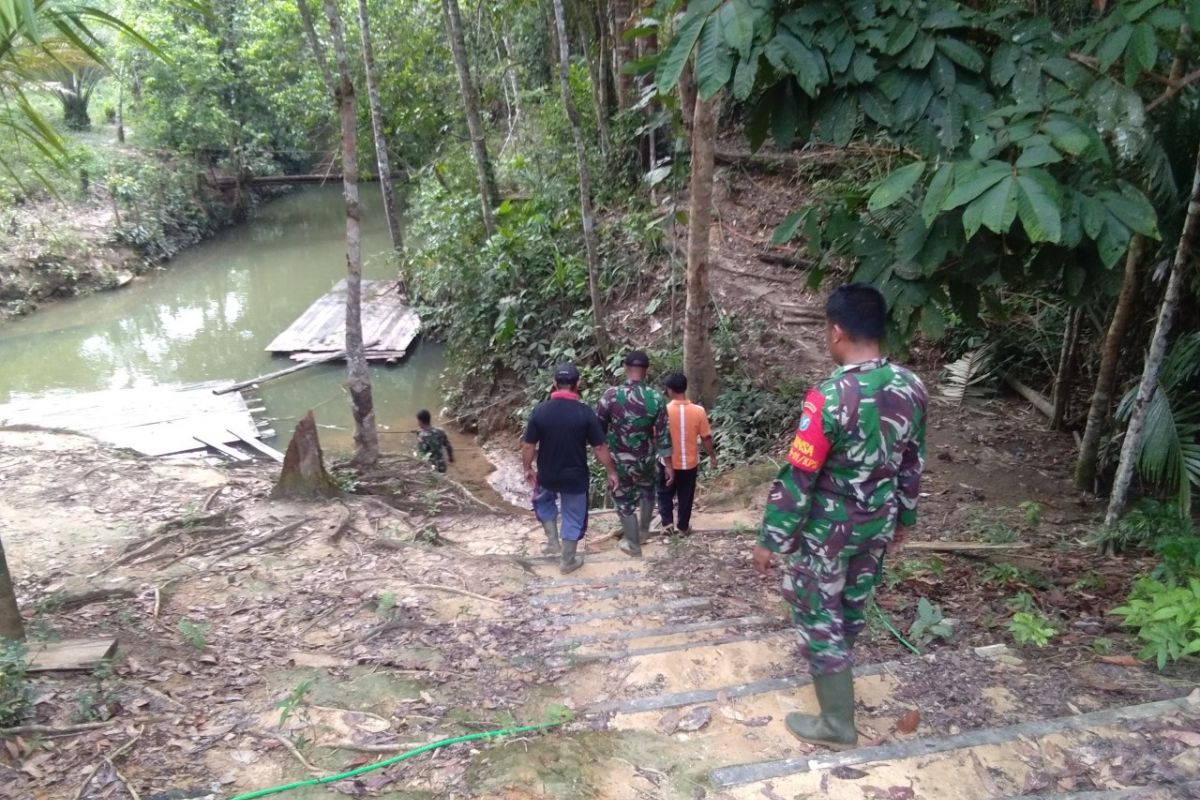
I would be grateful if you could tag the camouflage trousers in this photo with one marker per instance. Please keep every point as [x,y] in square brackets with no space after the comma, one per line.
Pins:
[636,478]
[829,599]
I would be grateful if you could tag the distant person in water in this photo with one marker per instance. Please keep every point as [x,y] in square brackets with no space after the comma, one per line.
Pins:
[432,443]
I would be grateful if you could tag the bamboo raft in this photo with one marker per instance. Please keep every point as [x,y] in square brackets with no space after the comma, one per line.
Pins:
[389,325]
[153,420]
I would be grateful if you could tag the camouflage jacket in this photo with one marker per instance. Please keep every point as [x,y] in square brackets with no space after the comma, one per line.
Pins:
[434,443]
[854,467]
[634,416]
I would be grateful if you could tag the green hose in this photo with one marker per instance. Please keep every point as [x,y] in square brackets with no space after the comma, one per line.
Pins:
[389,761]
[887,623]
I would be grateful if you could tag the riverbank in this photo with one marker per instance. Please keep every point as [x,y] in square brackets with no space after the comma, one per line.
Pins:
[128,212]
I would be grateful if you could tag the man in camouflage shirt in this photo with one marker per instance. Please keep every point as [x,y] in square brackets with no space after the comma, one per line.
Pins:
[847,494]
[634,415]
[432,443]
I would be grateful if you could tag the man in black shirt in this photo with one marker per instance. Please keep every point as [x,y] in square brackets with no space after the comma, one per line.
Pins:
[559,432]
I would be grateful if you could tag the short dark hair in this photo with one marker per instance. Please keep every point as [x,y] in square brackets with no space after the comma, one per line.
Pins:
[676,382]
[423,416]
[565,383]
[859,309]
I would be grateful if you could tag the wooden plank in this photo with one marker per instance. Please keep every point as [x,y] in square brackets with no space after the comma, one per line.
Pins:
[265,449]
[665,630]
[70,654]
[749,773]
[387,320]
[636,611]
[279,373]
[220,447]
[680,699]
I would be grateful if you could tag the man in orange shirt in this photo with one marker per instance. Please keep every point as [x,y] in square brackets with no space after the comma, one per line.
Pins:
[689,431]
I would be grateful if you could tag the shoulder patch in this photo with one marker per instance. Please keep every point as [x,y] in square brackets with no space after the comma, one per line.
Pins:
[810,447]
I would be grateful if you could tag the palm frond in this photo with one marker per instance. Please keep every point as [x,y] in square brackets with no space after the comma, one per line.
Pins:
[972,376]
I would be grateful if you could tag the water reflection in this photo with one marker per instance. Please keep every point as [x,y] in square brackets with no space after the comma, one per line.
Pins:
[208,316]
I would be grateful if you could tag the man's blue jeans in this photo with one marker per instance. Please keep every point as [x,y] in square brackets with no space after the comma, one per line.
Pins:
[546,505]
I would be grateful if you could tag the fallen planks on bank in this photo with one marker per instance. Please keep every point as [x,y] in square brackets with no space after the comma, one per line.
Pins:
[749,773]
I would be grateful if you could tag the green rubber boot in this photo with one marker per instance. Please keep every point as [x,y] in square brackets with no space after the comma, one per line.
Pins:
[834,728]
[552,547]
[645,515]
[570,561]
[631,543]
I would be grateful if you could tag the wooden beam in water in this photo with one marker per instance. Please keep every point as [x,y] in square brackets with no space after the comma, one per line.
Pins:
[265,449]
[279,373]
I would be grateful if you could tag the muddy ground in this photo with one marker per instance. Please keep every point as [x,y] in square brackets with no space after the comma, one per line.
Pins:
[373,624]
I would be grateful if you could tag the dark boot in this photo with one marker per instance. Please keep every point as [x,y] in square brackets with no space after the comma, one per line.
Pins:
[570,561]
[834,728]
[645,515]
[631,542]
[552,547]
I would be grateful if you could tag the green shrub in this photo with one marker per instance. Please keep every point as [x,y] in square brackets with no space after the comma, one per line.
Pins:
[14,688]
[1146,525]
[1167,618]
[930,624]
[749,421]
[1030,627]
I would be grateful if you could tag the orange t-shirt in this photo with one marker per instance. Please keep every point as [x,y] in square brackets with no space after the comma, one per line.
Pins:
[689,424]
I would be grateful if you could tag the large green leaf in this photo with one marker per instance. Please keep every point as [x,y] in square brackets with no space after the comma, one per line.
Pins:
[1068,135]
[901,36]
[744,77]
[970,183]
[935,196]
[995,209]
[1133,209]
[1040,211]
[1092,215]
[1144,46]
[895,186]
[785,230]
[1113,47]
[962,54]
[1112,241]
[1038,155]
[737,20]
[714,63]
[675,57]
[787,52]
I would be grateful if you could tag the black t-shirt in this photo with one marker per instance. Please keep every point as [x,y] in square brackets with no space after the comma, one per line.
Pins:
[562,429]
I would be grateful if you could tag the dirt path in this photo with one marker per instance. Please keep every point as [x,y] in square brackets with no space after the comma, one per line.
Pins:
[372,625]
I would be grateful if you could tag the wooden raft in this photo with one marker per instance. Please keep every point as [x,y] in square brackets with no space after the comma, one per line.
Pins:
[388,322]
[152,420]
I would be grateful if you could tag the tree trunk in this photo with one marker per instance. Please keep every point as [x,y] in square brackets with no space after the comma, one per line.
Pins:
[1106,378]
[121,109]
[366,437]
[585,180]
[623,53]
[11,624]
[314,41]
[1064,379]
[1154,358]
[594,68]
[488,194]
[698,361]
[303,474]
[381,152]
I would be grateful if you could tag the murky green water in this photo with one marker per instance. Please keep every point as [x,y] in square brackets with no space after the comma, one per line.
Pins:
[209,315]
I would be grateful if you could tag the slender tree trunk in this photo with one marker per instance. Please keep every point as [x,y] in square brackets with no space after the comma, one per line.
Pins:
[585,180]
[11,624]
[698,361]
[121,107]
[1064,379]
[1106,378]
[314,41]
[1154,358]
[622,53]
[510,74]
[381,152]
[595,69]
[362,406]
[488,194]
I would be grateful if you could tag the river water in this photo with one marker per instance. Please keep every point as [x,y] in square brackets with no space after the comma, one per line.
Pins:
[211,312]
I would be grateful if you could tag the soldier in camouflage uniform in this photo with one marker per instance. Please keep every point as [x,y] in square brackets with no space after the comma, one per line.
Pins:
[634,415]
[847,494]
[432,443]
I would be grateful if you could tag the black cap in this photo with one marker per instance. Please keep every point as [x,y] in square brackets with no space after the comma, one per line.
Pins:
[566,373]
[636,358]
